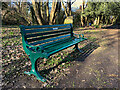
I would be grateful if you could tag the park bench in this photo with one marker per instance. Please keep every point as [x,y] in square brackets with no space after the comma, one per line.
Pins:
[46,40]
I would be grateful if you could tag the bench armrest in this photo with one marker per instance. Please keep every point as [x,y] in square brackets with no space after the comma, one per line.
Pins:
[34,48]
[80,35]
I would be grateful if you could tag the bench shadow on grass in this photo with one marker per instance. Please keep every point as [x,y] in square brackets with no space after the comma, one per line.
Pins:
[74,56]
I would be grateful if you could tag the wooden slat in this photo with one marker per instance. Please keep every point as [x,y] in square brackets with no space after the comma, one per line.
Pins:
[62,41]
[55,49]
[51,39]
[44,37]
[43,26]
[39,34]
[46,29]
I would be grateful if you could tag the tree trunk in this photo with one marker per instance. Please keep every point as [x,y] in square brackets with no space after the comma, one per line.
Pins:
[21,11]
[59,16]
[34,18]
[47,9]
[106,20]
[36,12]
[98,20]
[114,19]
[86,21]
[69,7]
[102,19]
[70,12]
[53,12]
[64,9]
[82,12]
[41,9]
[95,21]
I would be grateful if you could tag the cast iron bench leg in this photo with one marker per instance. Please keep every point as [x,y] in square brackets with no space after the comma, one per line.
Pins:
[34,70]
[76,48]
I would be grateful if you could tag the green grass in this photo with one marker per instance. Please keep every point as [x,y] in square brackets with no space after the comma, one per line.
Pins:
[88,31]
[11,33]
[92,38]
[3,31]
[73,84]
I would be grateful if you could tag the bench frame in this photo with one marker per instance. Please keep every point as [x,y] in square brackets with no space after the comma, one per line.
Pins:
[34,55]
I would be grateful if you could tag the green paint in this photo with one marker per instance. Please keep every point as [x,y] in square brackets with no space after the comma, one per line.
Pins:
[46,49]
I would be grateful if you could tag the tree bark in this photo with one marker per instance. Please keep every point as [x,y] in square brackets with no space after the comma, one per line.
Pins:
[47,9]
[53,12]
[102,19]
[36,12]
[58,13]
[69,7]
[64,9]
[21,11]
[82,12]
[41,9]
[98,20]
[86,20]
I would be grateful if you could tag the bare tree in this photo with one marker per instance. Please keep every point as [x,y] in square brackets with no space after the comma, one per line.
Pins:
[53,12]
[68,10]
[82,23]
[18,11]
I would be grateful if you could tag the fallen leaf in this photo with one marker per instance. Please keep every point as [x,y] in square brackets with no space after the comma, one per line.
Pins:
[112,75]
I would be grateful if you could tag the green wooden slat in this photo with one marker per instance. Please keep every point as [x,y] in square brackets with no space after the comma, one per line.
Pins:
[55,42]
[47,40]
[39,34]
[55,47]
[44,37]
[46,29]
[58,42]
[61,47]
[64,44]
[43,26]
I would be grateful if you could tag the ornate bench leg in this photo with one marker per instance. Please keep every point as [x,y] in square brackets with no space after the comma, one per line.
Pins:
[34,70]
[76,48]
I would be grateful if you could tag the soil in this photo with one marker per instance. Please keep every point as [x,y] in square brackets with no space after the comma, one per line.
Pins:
[97,67]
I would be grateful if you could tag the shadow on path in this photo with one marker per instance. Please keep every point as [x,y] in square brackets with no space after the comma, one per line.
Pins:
[116,26]
[87,50]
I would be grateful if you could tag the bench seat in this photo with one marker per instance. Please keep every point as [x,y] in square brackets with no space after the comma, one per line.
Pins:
[53,48]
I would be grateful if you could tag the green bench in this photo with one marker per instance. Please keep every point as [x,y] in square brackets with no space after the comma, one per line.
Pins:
[46,40]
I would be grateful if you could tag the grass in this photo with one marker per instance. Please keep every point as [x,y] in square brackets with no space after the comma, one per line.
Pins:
[73,84]
[11,33]
[92,38]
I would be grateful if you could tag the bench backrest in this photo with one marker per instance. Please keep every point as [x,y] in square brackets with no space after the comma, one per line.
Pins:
[36,35]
